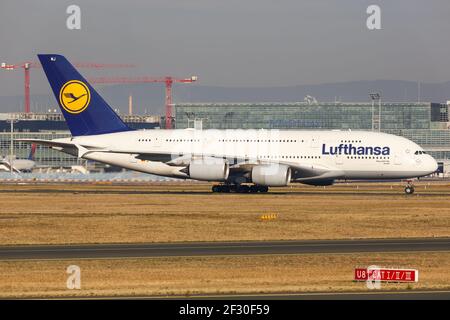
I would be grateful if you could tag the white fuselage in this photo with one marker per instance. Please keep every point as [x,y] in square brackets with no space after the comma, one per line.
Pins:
[345,154]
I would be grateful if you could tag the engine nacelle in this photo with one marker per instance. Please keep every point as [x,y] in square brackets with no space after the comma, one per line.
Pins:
[271,175]
[209,170]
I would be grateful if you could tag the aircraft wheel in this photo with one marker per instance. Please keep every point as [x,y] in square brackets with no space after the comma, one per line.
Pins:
[215,188]
[243,189]
[263,189]
[254,189]
[409,189]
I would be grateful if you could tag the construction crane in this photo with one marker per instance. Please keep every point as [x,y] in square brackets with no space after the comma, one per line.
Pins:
[168,81]
[27,65]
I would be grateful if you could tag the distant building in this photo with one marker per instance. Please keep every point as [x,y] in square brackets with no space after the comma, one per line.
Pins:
[53,122]
[51,126]
[424,123]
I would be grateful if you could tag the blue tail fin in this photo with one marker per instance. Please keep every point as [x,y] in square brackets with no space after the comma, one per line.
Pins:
[85,111]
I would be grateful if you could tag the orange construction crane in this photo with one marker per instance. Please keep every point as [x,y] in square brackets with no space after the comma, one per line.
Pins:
[168,81]
[27,65]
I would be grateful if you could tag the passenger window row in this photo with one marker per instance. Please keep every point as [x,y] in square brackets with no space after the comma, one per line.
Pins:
[182,140]
[259,140]
[226,140]
[367,157]
[350,141]
[289,157]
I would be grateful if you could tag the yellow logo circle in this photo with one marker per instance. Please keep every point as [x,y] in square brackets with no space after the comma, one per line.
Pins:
[74,96]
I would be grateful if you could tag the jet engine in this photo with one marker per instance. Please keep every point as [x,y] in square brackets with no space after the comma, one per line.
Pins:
[274,175]
[208,169]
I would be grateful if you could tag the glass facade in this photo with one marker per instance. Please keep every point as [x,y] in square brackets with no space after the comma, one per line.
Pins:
[43,155]
[50,126]
[356,116]
[436,142]
[424,123]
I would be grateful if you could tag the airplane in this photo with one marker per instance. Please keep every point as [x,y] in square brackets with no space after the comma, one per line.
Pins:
[238,160]
[19,165]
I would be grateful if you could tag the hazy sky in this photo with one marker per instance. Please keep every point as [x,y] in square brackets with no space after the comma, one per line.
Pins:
[233,42]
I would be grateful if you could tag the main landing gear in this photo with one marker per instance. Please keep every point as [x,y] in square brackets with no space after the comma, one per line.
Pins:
[242,188]
[409,189]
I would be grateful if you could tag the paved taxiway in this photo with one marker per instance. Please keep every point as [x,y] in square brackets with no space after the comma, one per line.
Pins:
[105,251]
[274,191]
[362,295]
[355,295]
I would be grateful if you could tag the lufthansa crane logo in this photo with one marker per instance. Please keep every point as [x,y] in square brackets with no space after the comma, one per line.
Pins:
[74,96]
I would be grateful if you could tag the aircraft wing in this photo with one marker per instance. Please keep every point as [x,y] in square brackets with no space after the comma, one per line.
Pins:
[314,173]
[48,143]
[81,150]
[69,147]
[300,172]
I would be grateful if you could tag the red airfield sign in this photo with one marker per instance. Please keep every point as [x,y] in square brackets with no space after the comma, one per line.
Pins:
[386,274]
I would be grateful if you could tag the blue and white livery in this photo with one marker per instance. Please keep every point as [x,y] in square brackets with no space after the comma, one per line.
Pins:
[241,160]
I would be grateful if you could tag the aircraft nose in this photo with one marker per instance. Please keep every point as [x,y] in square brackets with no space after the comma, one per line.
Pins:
[431,164]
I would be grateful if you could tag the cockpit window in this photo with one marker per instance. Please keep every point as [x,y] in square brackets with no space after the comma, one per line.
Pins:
[420,152]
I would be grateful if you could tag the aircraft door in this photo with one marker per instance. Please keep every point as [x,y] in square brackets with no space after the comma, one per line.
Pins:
[157,143]
[339,159]
[314,142]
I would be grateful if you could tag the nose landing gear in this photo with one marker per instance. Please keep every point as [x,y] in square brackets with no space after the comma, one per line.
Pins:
[409,189]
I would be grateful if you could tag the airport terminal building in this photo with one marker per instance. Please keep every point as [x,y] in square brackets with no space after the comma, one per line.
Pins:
[50,126]
[424,123]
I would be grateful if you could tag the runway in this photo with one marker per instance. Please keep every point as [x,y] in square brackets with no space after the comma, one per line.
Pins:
[105,251]
[355,295]
[365,295]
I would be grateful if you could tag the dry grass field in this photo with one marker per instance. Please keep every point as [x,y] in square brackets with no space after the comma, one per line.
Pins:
[103,213]
[63,214]
[216,275]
